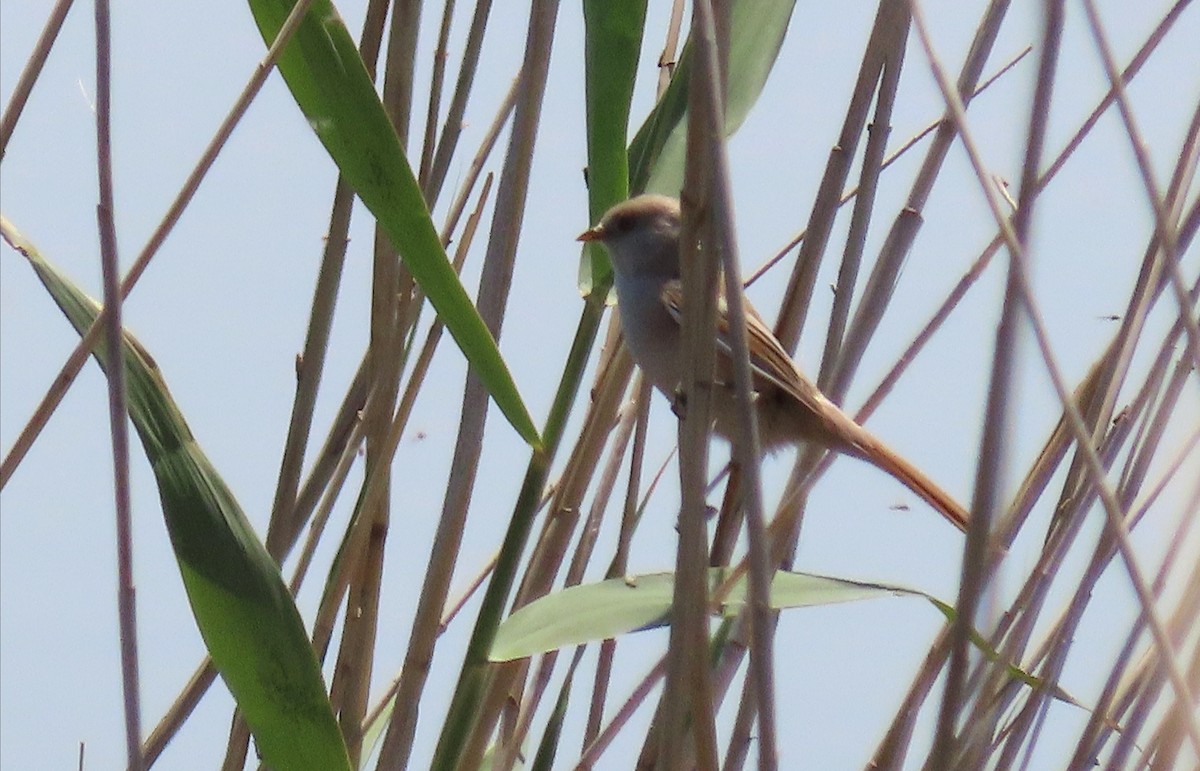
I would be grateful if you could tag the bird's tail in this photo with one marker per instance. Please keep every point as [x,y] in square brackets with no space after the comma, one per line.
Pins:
[869,448]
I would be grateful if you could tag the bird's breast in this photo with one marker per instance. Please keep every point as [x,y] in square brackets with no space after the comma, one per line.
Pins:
[651,334]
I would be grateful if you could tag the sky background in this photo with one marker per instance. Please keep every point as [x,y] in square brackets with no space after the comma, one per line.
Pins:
[224,306]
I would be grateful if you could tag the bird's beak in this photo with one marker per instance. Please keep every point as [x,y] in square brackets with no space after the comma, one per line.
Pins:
[592,234]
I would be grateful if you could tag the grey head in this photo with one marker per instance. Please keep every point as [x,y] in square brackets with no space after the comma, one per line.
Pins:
[642,236]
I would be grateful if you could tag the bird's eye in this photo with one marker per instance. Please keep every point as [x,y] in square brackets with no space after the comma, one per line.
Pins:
[622,223]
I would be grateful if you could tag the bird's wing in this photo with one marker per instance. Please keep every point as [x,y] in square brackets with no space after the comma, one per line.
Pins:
[768,358]
[831,427]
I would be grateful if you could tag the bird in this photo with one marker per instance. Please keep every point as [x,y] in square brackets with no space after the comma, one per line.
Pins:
[641,236]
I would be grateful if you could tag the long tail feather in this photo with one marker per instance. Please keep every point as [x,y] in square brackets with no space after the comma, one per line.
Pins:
[913,478]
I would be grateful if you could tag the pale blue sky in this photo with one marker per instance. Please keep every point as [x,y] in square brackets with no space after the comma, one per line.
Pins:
[224,306]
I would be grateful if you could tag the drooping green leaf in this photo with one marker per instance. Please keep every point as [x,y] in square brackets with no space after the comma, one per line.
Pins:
[991,654]
[240,602]
[655,158]
[598,611]
[330,83]
[591,613]
[607,609]
[612,43]
[756,32]
[585,613]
